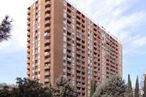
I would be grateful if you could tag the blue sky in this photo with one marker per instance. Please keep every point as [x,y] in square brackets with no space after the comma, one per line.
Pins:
[124,19]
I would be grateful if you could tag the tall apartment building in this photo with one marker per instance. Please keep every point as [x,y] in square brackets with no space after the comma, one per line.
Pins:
[63,41]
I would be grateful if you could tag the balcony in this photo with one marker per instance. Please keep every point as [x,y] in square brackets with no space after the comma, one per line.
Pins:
[28,18]
[28,29]
[47,28]
[48,11]
[46,79]
[28,74]
[28,13]
[48,5]
[28,51]
[28,40]
[47,24]
[47,54]
[28,57]
[28,68]
[28,24]
[47,73]
[47,61]
[28,45]
[47,41]
[47,17]
[47,47]
[28,8]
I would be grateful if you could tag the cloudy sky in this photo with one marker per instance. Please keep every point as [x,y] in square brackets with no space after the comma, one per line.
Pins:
[125,19]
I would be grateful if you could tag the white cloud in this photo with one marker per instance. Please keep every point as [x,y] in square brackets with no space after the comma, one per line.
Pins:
[128,21]
[135,45]
[140,42]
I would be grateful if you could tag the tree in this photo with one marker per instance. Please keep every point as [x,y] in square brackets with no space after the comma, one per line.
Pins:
[92,87]
[5,28]
[4,91]
[129,89]
[137,88]
[114,87]
[63,88]
[144,95]
[31,88]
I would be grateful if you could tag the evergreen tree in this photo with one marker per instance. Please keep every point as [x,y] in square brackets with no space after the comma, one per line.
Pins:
[137,88]
[129,89]
[144,95]
[114,87]
[5,28]
[63,88]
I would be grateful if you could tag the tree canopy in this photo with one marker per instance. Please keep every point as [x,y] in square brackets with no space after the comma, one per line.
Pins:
[5,28]
[114,87]
[129,89]
[64,88]
[32,88]
[26,88]
[137,88]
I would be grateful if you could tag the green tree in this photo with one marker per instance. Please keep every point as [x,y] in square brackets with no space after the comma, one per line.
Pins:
[5,28]
[114,87]
[30,88]
[137,88]
[4,91]
[129,89]
[63,88]
[144,95]
[92,87]
[26,88]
